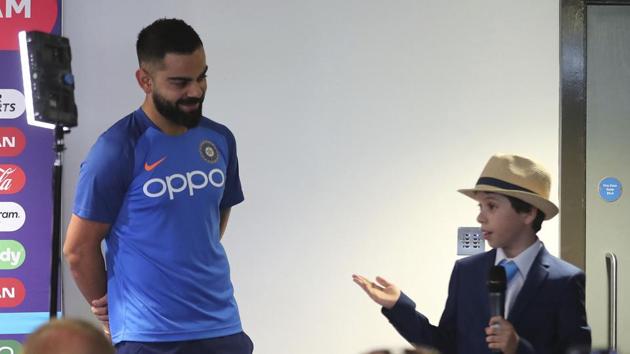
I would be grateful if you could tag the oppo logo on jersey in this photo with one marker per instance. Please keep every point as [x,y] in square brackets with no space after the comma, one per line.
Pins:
[177,183]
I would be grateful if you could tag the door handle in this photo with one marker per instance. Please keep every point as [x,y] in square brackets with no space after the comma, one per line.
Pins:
[611,270]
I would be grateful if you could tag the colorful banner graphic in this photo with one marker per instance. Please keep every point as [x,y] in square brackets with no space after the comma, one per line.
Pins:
[26,161]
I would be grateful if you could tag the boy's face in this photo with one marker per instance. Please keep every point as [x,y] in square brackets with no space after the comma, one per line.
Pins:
[501,225]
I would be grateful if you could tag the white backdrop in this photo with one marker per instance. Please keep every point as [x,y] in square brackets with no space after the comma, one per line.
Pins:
[356,121]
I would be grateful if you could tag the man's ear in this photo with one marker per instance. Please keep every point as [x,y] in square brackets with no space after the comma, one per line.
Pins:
[144,80]
[530,216]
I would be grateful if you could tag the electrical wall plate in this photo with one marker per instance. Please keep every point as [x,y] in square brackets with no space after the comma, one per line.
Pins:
[470,241]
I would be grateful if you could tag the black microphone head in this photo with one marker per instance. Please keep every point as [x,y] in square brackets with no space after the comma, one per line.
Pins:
[497,280]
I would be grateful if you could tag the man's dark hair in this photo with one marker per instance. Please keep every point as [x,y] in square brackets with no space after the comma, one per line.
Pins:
[523,207]
[166,35]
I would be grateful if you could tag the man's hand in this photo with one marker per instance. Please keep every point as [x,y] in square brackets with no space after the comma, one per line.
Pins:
[501,335]
[99,309]
[386,294]
[105,326]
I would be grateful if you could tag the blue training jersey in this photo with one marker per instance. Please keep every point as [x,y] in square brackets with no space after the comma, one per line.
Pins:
[168,277]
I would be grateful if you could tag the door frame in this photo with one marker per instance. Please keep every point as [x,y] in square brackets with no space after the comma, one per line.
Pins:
[572,149]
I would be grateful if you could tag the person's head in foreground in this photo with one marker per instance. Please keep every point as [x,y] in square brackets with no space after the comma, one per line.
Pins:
[67,336]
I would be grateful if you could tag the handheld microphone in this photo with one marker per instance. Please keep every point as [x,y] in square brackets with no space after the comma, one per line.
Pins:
[497,283]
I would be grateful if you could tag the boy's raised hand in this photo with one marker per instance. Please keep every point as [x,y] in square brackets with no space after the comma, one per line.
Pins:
[384,293]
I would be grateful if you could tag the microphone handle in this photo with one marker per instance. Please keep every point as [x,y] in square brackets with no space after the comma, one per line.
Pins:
[497,304]
[497,307]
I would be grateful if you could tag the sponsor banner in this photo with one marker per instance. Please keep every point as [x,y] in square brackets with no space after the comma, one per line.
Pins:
[12,217]
[12,141]
[21,323]
[12,180]
[26,15]
[10,347]
[26,160]
[12,292]
[12,255]
[11,105]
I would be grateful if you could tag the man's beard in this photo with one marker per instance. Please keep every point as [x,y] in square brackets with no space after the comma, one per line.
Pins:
[173,113]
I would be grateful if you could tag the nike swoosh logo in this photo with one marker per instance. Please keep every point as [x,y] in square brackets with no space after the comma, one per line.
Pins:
[150,167]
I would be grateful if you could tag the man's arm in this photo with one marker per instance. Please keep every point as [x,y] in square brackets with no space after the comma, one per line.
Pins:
[82,251]
[225,216]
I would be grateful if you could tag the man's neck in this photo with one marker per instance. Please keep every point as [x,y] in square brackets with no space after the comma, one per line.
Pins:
[165,125]
[521,245]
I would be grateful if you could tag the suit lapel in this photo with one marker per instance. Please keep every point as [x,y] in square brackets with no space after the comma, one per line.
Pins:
[491,257]
[535,278]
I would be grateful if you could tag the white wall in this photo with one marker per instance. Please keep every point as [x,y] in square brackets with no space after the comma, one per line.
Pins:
[356,121]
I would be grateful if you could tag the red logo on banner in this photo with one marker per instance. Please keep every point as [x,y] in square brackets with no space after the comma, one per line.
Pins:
[12,292]
[24,15]
[12,141]
[12,179]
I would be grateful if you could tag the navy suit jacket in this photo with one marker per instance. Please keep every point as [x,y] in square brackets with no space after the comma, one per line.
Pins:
[548,313]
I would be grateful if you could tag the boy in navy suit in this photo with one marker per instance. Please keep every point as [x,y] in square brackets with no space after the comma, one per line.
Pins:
[544,303]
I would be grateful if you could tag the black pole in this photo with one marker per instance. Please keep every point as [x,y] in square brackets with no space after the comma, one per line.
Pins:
[56,231]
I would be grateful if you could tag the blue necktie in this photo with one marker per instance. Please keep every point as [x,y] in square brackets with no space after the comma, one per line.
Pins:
[510,269]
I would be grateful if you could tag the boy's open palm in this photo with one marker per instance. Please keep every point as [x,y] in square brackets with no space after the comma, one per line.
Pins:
[384,293]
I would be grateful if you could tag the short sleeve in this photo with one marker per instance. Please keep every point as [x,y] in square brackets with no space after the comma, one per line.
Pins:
[233,193]
[103,180]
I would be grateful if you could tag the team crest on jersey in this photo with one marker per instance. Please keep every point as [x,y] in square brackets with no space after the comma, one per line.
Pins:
[209,151]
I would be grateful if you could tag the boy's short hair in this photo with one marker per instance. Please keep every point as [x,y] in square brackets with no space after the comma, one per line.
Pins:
[523,207]
[166,35]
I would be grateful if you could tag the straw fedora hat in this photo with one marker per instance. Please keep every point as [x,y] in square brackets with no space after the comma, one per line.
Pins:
[517,177]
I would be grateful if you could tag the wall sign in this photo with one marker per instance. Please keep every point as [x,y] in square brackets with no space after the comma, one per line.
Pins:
[610,189]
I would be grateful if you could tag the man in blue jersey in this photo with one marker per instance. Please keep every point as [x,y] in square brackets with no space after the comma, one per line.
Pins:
[158,187]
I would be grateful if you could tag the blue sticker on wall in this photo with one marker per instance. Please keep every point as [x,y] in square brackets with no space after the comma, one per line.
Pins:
[610,189]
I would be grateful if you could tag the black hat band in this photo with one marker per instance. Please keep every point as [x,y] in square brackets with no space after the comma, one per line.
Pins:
[494,182]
